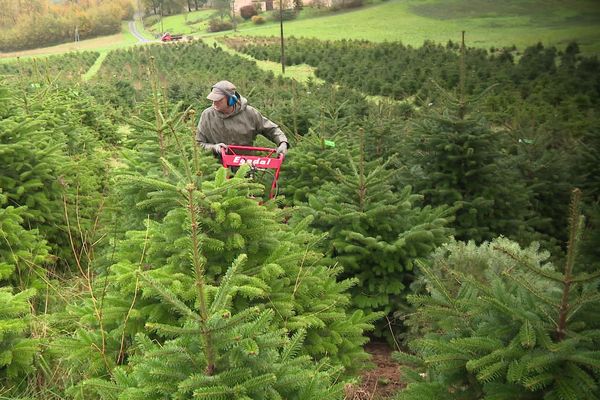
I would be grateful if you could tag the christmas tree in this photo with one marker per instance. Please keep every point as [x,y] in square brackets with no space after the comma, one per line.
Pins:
[502,322]
[22,255]
[290,288]
[375,234]
[456,158]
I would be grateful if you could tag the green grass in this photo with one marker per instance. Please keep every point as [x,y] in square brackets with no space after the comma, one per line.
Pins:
[414,21]
[186,24]
[538,12]
[95,67]
[300,73]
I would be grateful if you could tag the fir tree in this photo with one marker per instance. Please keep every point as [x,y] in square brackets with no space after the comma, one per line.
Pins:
[34,164]
[515,328]
[280,286]
[22,254]
[48,178]
[283,276]
[16,348]
[384,126]
[288,276]
[545,163]
[589,171]
[309,166]
[56,167]
[214,353]
[323,149]
[320,150]
[374,233]
[456,158]
[22,251]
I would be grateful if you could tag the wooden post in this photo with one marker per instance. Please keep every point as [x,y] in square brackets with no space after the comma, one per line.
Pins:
[281,28]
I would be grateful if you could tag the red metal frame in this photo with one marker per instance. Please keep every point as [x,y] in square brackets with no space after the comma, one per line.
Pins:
[260,159]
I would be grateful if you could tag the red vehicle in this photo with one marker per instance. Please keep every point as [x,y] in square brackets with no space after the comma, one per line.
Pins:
[167,37]
[259,159]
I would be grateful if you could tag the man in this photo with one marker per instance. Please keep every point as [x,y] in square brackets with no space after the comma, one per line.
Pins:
[231,120]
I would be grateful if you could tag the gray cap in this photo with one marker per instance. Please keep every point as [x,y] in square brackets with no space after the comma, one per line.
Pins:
[220,90]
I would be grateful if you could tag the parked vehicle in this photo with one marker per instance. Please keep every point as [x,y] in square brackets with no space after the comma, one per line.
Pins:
[167,37]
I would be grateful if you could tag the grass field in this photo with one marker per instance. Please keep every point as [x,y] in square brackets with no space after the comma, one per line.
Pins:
[188,23]
[101,44]
[95,67]
[487,23]
[300,73]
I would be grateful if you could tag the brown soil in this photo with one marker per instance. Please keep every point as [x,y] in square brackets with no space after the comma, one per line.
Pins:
[380,382]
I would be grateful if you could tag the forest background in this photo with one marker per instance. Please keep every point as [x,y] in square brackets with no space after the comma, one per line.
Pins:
[433,198]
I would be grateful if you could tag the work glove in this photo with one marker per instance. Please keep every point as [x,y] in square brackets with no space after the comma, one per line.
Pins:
[282,149]
[216,147]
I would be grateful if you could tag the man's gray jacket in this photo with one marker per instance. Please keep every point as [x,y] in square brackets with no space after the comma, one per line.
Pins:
[238,128]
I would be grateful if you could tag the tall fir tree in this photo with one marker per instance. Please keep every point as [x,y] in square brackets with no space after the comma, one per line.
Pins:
[456,158]
[545,161]
[220,349]
[589,172]
[284,275]
[374,233]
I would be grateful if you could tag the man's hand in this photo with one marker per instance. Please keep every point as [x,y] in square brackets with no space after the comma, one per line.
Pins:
[217,148]
[282,149]
[220,147]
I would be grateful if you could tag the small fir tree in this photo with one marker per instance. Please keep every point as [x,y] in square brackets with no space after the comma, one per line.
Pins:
[309,166]
[501,322]
[17,350]
[22,250]
[213,353]
[22,253]
[56,167]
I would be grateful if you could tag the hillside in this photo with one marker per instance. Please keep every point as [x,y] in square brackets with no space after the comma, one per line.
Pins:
[487,24]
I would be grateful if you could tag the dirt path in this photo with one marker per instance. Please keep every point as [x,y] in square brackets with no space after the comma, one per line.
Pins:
[381,382]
